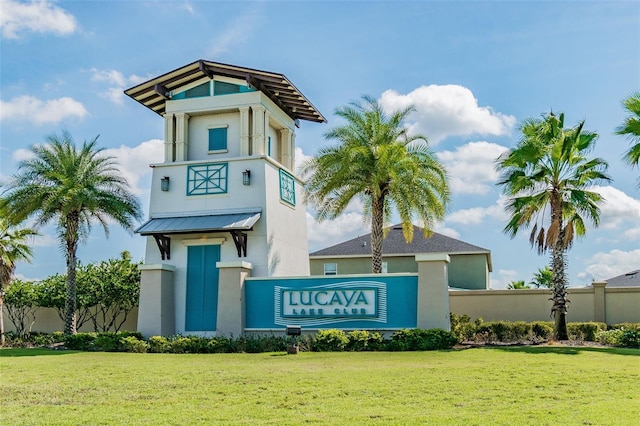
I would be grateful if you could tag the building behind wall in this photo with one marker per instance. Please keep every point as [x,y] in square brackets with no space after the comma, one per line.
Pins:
[468,269]
[226,195]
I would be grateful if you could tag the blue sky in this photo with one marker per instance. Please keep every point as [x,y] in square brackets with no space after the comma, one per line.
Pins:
[474,70]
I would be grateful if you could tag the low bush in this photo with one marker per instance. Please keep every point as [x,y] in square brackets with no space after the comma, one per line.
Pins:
[585,330]
[158,344]
[332,340]
[626,326]
[609,337]
[630,339]
[80,341]
[362,340]
[133,344]
[422,340]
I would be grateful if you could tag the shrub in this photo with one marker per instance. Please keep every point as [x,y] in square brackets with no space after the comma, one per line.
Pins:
[158,344]
[630,339]
[463,328]
[260,344]
[331,340]
[80,341]
[132,344]
[627,325]
[422,340]
[609,337]
[585,330]
[106,342]
[541,330]
[361,340]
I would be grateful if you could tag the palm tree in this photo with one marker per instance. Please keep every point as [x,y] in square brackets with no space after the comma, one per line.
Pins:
[517,285]
[13,248]
[543,278]
[631,128]
[378,161]
[547,177]
[73,187]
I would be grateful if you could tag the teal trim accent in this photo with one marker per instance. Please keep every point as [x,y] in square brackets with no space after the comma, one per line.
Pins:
[202,288]
[223,88]
[218,139]
[207,179]
[195,92]
[287,188]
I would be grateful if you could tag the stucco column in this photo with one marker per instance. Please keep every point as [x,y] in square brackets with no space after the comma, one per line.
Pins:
[156,313]
[285,148]
[599,301]
[244,131]
[258,130]
[182,137]
[169,138]
[231,301]
[433,291]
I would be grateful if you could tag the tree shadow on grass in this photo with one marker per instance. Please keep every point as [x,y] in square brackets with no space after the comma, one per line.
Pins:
[566,350]
[20,352]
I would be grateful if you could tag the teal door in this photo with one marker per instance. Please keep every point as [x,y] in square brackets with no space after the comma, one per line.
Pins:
[202,288]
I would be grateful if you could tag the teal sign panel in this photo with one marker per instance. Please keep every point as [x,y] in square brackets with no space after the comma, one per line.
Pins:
[366,302]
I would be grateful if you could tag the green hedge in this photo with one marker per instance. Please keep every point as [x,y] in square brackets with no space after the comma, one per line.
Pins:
[479,331]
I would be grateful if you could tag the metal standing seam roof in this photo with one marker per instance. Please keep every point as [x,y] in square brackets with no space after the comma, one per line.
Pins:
[192,224]
[154,93]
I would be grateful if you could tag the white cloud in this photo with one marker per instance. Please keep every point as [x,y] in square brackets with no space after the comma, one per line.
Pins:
[34,16]
[329,232]
[235,33]
[111,76]
[448,110]
[602,266]
[618,209]
[117,81]
[449,232]
[134,161]
[39,112]
[477,215]
[471,167]
[300,157]
[501,279]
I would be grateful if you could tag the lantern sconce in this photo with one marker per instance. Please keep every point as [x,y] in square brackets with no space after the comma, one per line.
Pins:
[246,177]
[164,183]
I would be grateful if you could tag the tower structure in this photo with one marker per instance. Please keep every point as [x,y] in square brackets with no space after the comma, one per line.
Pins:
[226,196]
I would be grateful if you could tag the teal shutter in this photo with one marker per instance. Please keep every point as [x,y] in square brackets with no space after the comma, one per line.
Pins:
[202,288]
[218,139]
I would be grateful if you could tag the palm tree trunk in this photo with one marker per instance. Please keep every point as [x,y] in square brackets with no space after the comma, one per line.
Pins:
[71,236]
[2,338]
[377,219]
[559,298]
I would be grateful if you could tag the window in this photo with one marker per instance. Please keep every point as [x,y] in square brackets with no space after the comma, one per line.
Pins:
[218,139]
[195,92]
[222,88]
[331,269]
[269,146]
[385,267]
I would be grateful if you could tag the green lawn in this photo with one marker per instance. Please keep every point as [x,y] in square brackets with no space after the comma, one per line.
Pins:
[488,386]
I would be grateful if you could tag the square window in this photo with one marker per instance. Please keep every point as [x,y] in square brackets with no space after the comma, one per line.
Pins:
[331,269]
[218,139]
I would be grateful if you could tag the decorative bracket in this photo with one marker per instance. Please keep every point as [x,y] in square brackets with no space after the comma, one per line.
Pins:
[240,240]
[164,245]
